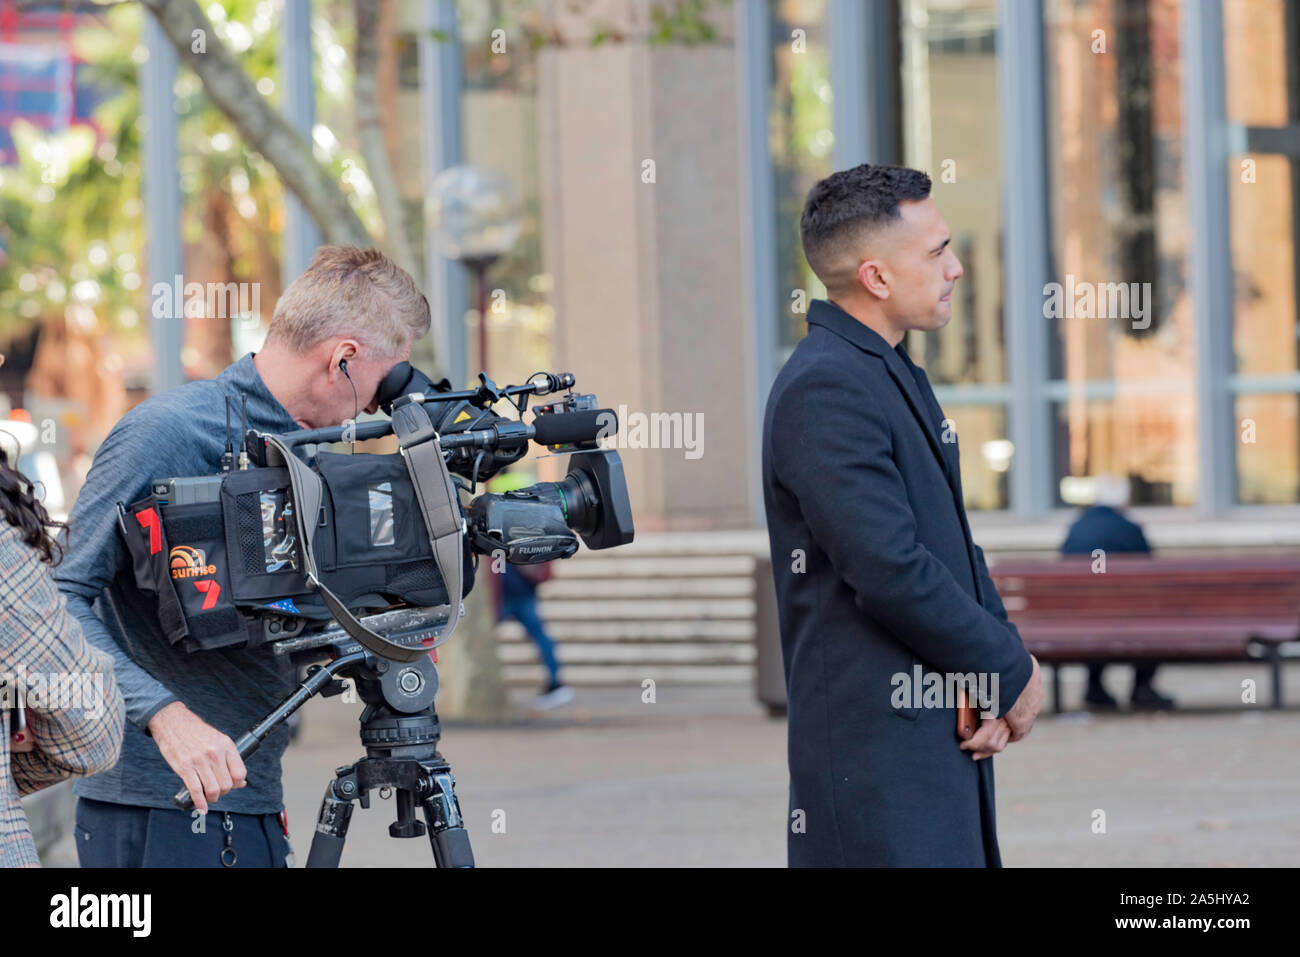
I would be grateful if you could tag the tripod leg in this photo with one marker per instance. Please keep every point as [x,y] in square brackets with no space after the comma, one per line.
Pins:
[447,831]
[331,830]
[451,847]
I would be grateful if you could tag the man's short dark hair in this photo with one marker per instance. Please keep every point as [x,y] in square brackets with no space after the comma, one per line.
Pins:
[851,203]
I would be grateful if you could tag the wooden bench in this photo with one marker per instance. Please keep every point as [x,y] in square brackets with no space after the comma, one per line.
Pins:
[1150,609]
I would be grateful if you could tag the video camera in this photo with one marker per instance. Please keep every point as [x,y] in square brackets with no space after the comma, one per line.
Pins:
[275,546]
[364,559]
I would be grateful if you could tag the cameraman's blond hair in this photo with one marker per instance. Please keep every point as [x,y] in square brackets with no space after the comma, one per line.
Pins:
[349,291]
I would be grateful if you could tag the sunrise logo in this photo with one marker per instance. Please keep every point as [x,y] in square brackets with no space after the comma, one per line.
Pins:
[186,561]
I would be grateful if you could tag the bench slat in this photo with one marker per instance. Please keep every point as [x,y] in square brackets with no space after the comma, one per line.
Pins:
[1151,606]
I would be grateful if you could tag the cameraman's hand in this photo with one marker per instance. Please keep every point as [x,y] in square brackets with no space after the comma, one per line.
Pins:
[206,760]
[1025,710]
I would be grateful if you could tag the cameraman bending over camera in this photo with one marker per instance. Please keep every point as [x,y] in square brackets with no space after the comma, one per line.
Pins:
[336,332]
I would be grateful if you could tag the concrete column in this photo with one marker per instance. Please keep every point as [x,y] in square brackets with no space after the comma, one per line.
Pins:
[643,186]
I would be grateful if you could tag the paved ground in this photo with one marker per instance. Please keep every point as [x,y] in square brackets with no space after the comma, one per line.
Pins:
[698,778]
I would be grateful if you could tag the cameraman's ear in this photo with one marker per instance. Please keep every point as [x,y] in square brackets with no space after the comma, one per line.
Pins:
[344,352]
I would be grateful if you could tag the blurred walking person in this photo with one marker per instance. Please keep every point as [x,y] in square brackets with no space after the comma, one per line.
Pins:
[515,590]
[519,601]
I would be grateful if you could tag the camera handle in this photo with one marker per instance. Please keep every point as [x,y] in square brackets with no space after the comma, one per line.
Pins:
[316,682]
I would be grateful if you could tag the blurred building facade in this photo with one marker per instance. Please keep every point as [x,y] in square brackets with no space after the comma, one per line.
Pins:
[1145,144]
[1149,143]
[662,153]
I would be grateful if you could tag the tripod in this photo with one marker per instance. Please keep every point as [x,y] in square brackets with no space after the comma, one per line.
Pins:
[399,731]
[401,754]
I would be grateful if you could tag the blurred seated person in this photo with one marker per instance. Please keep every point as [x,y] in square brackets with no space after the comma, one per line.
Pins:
[1104,526]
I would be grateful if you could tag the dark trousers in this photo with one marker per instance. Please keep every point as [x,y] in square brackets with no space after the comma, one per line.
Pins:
[1142,674]
[124,835]
[524,611]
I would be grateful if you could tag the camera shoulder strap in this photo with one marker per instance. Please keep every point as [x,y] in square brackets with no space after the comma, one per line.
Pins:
[308,493]
[439,503]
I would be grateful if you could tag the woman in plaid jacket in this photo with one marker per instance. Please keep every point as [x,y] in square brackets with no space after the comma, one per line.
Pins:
[49,676]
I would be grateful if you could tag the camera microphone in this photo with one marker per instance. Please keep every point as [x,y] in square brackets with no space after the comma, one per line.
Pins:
[573,428]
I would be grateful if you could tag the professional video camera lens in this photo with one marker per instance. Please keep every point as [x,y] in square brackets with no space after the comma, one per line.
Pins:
[528,523]
[581,502]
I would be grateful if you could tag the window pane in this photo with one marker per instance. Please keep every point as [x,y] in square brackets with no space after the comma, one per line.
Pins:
[1268,449]
[1122,334]
[1263,256]
[985,454]
[1148,439]
[1262,187]
[1255,67]
[950,130]
[800,139]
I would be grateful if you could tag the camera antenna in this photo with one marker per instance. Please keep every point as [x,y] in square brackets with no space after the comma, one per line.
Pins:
[228,457]
[243,428]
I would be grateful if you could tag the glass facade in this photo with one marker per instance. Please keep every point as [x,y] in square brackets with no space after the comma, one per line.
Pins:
[1118,364]
[1261,73]
[950,129]
[800,140]
[1114,367]
[1122,339]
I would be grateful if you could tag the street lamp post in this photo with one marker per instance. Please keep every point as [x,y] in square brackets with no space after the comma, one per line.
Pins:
[476,213]
[476,217]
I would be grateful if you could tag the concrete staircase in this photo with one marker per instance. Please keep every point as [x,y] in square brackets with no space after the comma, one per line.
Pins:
[675,607]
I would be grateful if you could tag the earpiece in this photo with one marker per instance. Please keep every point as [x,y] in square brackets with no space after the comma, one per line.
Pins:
[343,367]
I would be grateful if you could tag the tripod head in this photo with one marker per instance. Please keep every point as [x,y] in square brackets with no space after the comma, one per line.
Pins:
[399,730]
[390,689]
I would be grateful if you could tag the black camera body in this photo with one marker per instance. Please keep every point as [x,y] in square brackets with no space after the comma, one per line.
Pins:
[231,560]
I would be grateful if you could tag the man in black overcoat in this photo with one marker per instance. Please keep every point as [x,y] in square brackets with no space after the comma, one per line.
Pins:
[886,604]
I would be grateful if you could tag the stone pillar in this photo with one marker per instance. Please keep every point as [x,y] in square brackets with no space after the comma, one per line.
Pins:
[641,212]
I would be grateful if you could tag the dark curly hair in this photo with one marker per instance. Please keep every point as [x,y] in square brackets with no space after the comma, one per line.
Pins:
[849,202]
[24,512]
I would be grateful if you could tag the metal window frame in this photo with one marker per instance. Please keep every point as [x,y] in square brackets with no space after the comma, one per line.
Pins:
[1026,241]
[1205,157]
[758,227]
[862,42]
